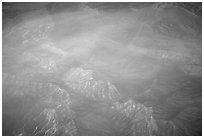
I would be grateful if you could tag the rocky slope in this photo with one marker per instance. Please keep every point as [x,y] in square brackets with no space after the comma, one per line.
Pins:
[101,69]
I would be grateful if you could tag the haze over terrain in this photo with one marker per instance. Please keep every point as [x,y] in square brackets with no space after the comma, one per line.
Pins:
[101,69]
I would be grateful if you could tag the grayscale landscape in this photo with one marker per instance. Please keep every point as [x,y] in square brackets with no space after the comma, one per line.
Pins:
[102,69]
